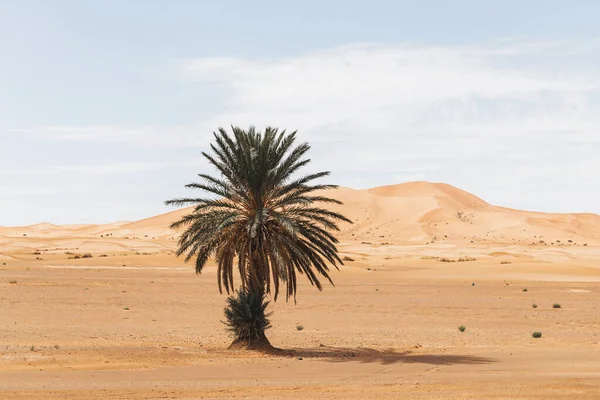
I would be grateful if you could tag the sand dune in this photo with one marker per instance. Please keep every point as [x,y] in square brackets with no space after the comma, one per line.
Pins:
[411,220]
[410,213]
[422,212]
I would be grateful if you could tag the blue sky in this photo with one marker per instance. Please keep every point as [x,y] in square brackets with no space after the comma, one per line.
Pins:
[106,106]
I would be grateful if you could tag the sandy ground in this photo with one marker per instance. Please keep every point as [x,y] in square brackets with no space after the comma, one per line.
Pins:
[139,324]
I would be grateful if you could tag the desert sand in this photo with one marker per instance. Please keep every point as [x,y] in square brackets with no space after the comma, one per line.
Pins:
[132,321]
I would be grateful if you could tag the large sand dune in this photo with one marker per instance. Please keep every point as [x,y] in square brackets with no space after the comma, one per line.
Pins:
[410,213]
[129,320]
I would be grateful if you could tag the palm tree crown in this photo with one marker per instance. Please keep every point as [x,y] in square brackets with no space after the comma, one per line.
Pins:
[258,217]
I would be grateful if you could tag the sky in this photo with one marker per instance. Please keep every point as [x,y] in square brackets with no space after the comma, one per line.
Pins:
[106,106]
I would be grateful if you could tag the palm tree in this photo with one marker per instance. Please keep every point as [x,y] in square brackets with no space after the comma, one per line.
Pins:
[260,220]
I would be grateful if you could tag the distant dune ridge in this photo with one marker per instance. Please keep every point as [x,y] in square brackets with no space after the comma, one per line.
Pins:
[408,213]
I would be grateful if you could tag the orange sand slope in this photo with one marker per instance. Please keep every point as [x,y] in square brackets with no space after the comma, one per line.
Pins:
[410,213]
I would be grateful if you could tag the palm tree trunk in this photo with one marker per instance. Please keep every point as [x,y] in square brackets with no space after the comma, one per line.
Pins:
[256,283]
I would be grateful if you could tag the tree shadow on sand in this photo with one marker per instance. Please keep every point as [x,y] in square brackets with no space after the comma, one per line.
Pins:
[384,357]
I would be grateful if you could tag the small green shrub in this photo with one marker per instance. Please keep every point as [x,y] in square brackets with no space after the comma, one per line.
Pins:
[524,289]
[536,335]
[462,328]
[13,282]
[87,255]
[555,305]
[534,305]
[299,327]
[246,317]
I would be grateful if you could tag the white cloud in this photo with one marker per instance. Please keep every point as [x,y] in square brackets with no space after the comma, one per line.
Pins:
[486,117]
[378,86]
[517,123]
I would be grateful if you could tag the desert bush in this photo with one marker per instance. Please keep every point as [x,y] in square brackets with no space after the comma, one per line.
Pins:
[505,262]
[246,317]
[13,282]
[524,289]
[555,305]
[103,255]
[346,258]
[536,335]
[534,305]
[87,255]
[462,328]
[299,327]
